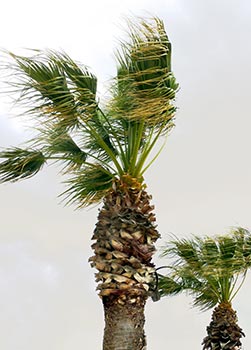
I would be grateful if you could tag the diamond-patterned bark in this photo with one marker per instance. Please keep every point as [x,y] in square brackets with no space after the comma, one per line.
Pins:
[223,331]
[124,234]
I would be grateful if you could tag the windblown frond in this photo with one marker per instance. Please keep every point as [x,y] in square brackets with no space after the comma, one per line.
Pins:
[55,87]
[58,142]
[208,268]
[145,85]
[80,76]
[186,280]
[19,164]
[169,286]
[88,187]
[82,82]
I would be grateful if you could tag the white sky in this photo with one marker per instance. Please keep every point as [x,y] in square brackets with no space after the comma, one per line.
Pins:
[200,183]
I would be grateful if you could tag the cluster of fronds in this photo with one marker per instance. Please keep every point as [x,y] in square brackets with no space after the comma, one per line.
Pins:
[211,269]
[95,144]
[146,85]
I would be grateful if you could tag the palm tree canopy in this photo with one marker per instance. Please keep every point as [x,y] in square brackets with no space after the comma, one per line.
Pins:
[96,144]
[211,269]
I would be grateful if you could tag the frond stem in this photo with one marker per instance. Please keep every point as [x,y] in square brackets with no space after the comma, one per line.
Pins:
[102,143]
[147,149]
[114,134]
[240,285]
[137,134]
[85,163]
[155,157]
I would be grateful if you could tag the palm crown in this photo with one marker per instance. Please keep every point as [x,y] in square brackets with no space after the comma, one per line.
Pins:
[96,144]
[211,269]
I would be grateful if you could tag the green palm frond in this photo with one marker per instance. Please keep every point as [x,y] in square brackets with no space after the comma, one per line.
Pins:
[204,295]
[79,75]
[88,187]
[20,164]
[207,298]
[209,268]
[58,142]
[243,247]
[54,87]
[40,74]
[145,85]
[187,251]
[209,251]
[169,286]
[82,82]
[106,133]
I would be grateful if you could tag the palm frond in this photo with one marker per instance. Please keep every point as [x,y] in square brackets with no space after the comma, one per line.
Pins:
[205,297]
[243,247]
[20,164]
[79,75]
[184,279]
[209,251]
[88,187]
[82,82]
[168,286]
[55,87]
[105,132]
[185,251]
[59,142]
[145,85]
[40,74]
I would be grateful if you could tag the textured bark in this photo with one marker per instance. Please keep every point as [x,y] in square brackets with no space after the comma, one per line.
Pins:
[124,237]
[124,234]
[223,331]
[124,324]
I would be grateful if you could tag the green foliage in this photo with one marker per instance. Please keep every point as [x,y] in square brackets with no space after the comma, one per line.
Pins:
[89,186]
[105,142]
[54,87]
[208,268]
[59,142]
[145,85]
[19,164]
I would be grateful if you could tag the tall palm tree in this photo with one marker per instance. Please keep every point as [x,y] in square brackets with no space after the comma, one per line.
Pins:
[212,270]
[104,150]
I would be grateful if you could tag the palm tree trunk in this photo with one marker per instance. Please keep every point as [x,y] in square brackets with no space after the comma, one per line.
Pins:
[124,325]
[124,237]
[223,331]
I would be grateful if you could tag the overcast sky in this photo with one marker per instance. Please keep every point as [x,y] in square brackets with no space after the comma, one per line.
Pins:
[200,183]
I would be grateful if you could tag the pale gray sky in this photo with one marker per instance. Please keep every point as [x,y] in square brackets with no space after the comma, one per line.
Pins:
[200,184]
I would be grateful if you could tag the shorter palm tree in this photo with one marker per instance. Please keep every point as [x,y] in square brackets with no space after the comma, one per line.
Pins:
[211,270]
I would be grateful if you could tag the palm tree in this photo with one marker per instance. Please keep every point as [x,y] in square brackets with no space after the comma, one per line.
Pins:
[104,150]
[211,270]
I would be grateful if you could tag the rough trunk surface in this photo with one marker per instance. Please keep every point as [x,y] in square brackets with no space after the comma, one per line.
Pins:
[223,331]
[124,244]
[124,325]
